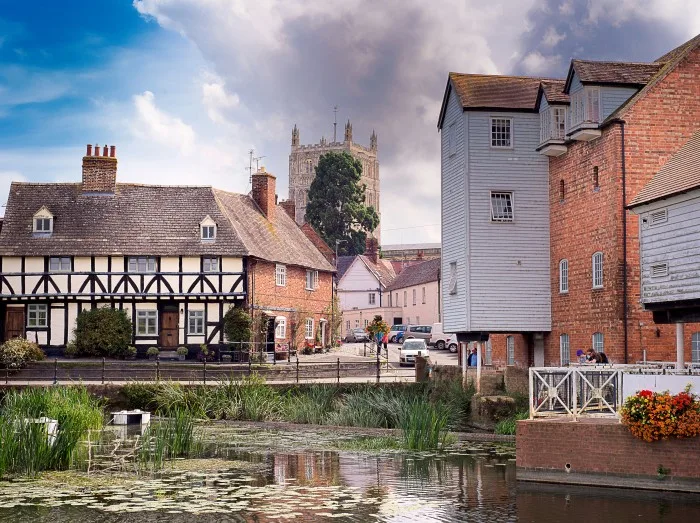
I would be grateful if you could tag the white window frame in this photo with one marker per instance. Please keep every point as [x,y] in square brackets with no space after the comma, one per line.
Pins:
[281,329]
[510,350]
[695,348]
[597,269]
[357,323]
[148,262]
[501,215]
[372,298]
[311,280]
[60,264]
[41,220]
[564,276]
[582,106]
[208,232]
[37,316]
[309,329]
[280,275]
[196,318]
[496,138]
[452,287]
[451,139]
[564,350]
[598,342]
[210,264]
[553,123]
[143,327]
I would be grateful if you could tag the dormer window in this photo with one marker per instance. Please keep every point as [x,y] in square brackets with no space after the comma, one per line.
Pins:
[207,228]
[43,222]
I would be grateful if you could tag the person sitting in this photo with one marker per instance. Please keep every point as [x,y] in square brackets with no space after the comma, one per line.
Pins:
[596,357]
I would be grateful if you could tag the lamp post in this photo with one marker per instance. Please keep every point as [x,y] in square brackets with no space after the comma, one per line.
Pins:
[333,329]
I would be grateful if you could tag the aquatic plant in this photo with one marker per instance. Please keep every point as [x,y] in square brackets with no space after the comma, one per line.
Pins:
[508,425]
[312,405]
[424,425]
[174,437]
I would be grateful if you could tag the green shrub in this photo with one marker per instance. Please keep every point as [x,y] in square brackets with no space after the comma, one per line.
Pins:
[507,426]
[182,351]
[70,350]
[17,352]
[152,352]
[103,332]
[237,325]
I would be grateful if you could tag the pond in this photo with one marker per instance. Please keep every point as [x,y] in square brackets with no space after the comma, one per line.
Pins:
[247,477]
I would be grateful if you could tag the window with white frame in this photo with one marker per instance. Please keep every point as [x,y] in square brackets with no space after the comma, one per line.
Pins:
[372,298]
[553,124]
[695,348]
[281,275]
[501,206]
[501,132]
[309,329]
[311,280]
[510,350]
[43,225]
[59,264]
[142,264]
[414,296]
[598,342]
[597,263]
[488,353]
[451,139]
[564,352]
[281,328]
[585,106]
[423,292]
[146,323]
[564,276]
[210,264]
[195,322]
[453,278]
[37,316]
[208,232]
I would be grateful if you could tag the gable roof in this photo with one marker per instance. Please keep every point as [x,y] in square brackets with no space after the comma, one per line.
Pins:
[383,271]
[343,264]
[680,174]
[553,92]
[622,73]
[417,274]
[316,239]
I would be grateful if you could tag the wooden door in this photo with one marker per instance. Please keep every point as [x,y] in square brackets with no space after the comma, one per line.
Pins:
[169,329]
[14,322]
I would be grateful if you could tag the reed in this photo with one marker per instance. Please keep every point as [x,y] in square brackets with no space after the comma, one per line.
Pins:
[508,425]
[424,425]
[312,405]
[173,437]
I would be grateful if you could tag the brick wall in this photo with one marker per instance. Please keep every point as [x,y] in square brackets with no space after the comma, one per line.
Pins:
[589,219]
[603,446]
[99,173]
[266,295]
[499,356]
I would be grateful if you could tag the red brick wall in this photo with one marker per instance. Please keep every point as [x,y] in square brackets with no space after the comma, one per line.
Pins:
[499,356]
[266,295]
[601,447]
[589,220]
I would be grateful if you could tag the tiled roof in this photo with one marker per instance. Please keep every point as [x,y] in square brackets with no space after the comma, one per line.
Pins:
[280,240]
[628,73]
[344,263]
[680,174]
[553,91]
[417,274]
[483,91]
[136,219]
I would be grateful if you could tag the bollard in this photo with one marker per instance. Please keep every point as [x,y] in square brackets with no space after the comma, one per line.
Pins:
[103,371]
[297,368]
[250,363]
[378,367]
[55,371]
[7,375]
[338,371]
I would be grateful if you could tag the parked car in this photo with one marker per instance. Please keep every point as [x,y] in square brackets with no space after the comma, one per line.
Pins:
[410,349]
[438,339]
[452,343]
[356,335]
[421,332]
[394,331]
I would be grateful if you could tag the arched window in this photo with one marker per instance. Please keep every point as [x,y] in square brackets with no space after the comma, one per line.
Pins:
[562,190]
[510,350]
[695,351]
[564,276]
[564,352]
[598,345]
[598,270]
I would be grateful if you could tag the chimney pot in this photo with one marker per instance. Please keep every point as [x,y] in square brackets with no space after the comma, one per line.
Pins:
[89,150]
[105,151]
[97,150]
[99,173]
[113,151]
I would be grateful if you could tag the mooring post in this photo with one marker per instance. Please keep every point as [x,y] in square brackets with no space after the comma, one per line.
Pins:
[103,370]
[338,371]
[55,371]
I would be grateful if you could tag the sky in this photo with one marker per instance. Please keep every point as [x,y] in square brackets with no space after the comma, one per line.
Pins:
[185,88]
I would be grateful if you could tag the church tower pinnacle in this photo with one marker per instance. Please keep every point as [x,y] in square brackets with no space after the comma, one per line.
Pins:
[295,136]
[348,132]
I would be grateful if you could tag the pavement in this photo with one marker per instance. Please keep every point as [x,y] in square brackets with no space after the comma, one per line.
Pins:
[353,352]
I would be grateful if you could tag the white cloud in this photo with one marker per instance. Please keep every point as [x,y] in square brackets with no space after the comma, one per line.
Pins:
[154,124]
[683,14]
[552,37]
[216,100]
[537,64]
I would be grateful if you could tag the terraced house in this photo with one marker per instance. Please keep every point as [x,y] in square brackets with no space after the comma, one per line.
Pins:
[539,252]
[174,257]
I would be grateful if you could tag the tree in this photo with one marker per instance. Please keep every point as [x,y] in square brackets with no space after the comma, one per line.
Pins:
[336,208]
[237,325]
[377,327]
[103,332]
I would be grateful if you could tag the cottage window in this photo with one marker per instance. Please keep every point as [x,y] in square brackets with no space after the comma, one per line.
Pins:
[501,206]
[564,276]
[59,264]
[423,291]
[501,132]
[598,341]
[592,104]
[281,275]
[598,270]
[37,316]
[195,322]
[366,323]
[281,328]
[311,280]
[453,278]
[695,348]
[142,264]
[372,298]
[146,323]
[43,225]
[309,329]
[510,350]
[564,352]
[210,264]
[208,232]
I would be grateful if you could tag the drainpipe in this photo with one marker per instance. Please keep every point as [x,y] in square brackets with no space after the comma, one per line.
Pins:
[439,297]
[624,239]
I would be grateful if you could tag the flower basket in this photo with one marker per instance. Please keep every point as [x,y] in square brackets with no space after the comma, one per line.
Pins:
[654,416]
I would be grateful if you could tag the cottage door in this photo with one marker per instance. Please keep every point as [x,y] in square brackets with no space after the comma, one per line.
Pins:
[169,329]
[14,322]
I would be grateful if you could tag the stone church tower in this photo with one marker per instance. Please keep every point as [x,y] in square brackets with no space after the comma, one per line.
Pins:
[304,158]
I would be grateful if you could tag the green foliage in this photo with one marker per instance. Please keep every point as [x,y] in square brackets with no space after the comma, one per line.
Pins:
[507,426]
[424,425]
[313,405]
[377,326]
[17,352]
[182,351]
[70,350]
[152,352]
[336,208]
[237,325]
[370,443]
[103,332]
[169,439]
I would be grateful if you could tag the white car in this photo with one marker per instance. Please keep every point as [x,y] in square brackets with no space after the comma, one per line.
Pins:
[452,343]
[410,349]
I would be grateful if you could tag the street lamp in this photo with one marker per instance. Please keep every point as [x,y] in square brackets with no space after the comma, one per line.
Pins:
[333,328]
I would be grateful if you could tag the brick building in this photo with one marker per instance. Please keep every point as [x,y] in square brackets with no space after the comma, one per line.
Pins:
[607,129]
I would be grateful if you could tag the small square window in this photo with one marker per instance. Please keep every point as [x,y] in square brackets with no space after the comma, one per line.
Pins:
[57,264]
[146,323]
[37,316]
[43,225]
[501,132]
[501,206]
[210,264]
[311,280]
[195,322]
[208,232]
[281,275]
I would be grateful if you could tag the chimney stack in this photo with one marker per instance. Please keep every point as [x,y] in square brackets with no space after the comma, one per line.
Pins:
[100,172]
[371,249]
[264,186]
[289,207]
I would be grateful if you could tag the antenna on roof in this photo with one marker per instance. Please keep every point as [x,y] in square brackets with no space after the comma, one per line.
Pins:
[252,159]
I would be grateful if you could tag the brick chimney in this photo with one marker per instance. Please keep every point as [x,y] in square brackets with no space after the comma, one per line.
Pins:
[289,207]
[264,192]
[100,172]
[372,249]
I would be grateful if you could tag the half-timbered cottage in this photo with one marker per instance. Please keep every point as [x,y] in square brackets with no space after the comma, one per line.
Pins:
[174,257]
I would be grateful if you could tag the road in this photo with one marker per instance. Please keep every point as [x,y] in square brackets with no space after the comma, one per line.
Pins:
[362,352]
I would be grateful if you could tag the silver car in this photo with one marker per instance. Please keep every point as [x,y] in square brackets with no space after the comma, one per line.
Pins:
[421,332]
[356,335]
[410,349]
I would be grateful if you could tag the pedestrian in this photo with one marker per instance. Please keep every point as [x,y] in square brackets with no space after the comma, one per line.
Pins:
[385,341]
[581,356]
[471,360]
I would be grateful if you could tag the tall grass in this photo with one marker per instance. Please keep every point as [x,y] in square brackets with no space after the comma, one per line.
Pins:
[171,438]
[508,425]
[424,425]
[313,405]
